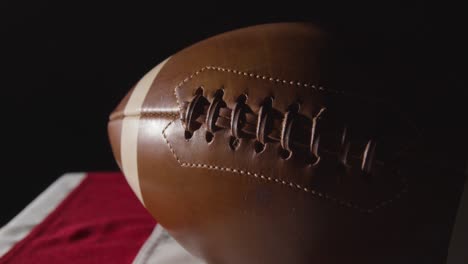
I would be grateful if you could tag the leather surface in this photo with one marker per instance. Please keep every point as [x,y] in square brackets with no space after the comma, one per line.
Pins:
[226,203]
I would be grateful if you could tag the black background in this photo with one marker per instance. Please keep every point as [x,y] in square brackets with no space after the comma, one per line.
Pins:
[66,65]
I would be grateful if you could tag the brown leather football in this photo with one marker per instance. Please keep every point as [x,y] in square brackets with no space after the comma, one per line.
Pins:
[254,146]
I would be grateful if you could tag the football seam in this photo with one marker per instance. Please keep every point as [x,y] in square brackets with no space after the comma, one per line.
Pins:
[293,185]
[316,193]
[255,76]
[120,115]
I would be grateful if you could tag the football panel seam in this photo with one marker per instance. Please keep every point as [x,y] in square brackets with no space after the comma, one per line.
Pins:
[292,185]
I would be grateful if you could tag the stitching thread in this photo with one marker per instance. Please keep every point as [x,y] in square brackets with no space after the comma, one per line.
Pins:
[252,75]
[316,193]
[121,115]
[160,114]
[293,185]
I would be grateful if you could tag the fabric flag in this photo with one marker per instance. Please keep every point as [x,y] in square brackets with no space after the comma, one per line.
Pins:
[88,218]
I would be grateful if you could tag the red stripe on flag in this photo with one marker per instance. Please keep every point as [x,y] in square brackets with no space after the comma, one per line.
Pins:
[101,221]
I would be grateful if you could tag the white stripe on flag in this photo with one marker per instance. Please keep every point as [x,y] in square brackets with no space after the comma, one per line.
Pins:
[33,214]
[458,250]
[161,248]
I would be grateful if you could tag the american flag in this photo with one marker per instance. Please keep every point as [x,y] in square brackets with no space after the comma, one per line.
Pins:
[88,218]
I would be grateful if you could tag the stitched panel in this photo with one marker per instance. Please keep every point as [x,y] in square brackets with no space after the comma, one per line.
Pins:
[348,190]
[174,130]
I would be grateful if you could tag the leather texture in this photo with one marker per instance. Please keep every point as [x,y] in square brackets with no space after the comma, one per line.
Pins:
[252,149]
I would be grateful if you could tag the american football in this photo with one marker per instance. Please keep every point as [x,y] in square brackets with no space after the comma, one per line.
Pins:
[259,146]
